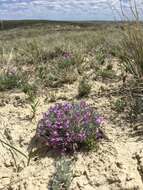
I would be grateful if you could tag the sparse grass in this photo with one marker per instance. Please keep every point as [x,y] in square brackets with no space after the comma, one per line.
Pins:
[34,103]
[100,56]
[56,77]
[131,56]
[106,74]
[31,52]
[50,63]
[132,50]
[8,82]
[13,148]
[59,71]
[57,52]
[6,57]
[40,54]
[30,90]
[131,46]
[135,101]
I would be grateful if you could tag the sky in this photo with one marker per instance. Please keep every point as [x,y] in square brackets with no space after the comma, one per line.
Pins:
[64,9]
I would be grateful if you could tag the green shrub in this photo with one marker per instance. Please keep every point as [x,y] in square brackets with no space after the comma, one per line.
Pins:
[91,144]
[119,105]
[66,63]
[30,90]
[57,77]
[8,81]
[84,88]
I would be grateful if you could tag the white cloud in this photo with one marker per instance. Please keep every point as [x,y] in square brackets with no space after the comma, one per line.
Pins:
[55,9]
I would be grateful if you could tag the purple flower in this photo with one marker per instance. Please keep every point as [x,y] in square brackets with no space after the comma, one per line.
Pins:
[55,133]
[99,120]
[83,104]
[12,71]
[82,136]
[65,125]
[67,55]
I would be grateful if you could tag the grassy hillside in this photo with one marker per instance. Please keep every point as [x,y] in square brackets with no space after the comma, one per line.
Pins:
[71,106]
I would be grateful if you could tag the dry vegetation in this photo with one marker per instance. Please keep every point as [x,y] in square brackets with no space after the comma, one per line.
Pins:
[46,64]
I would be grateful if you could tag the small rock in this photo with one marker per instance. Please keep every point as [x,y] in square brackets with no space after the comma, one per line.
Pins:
[119,165]
[2,103]
[88,187]
[17,97]
[7,133]
[81,181]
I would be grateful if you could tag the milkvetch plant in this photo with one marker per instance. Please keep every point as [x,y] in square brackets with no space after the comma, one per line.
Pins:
[66,60]
[66,127]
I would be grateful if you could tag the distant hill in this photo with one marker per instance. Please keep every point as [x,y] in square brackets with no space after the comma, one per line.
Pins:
[10,24]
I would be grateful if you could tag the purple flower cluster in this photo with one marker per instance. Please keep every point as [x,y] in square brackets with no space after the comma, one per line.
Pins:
[68,125]
[12,71]
[67,55]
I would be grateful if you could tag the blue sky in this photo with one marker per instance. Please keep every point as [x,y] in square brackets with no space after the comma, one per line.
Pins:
[62,9]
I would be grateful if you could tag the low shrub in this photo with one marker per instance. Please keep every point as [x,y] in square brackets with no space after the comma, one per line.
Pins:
[106,74]
[84,88]
[59,71]
[9,81]
[58,51]
[66,127]
[30,90]
[66,60]
[17,80]
[119,105]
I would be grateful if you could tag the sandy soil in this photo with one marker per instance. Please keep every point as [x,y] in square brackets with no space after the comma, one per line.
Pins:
[116,165]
